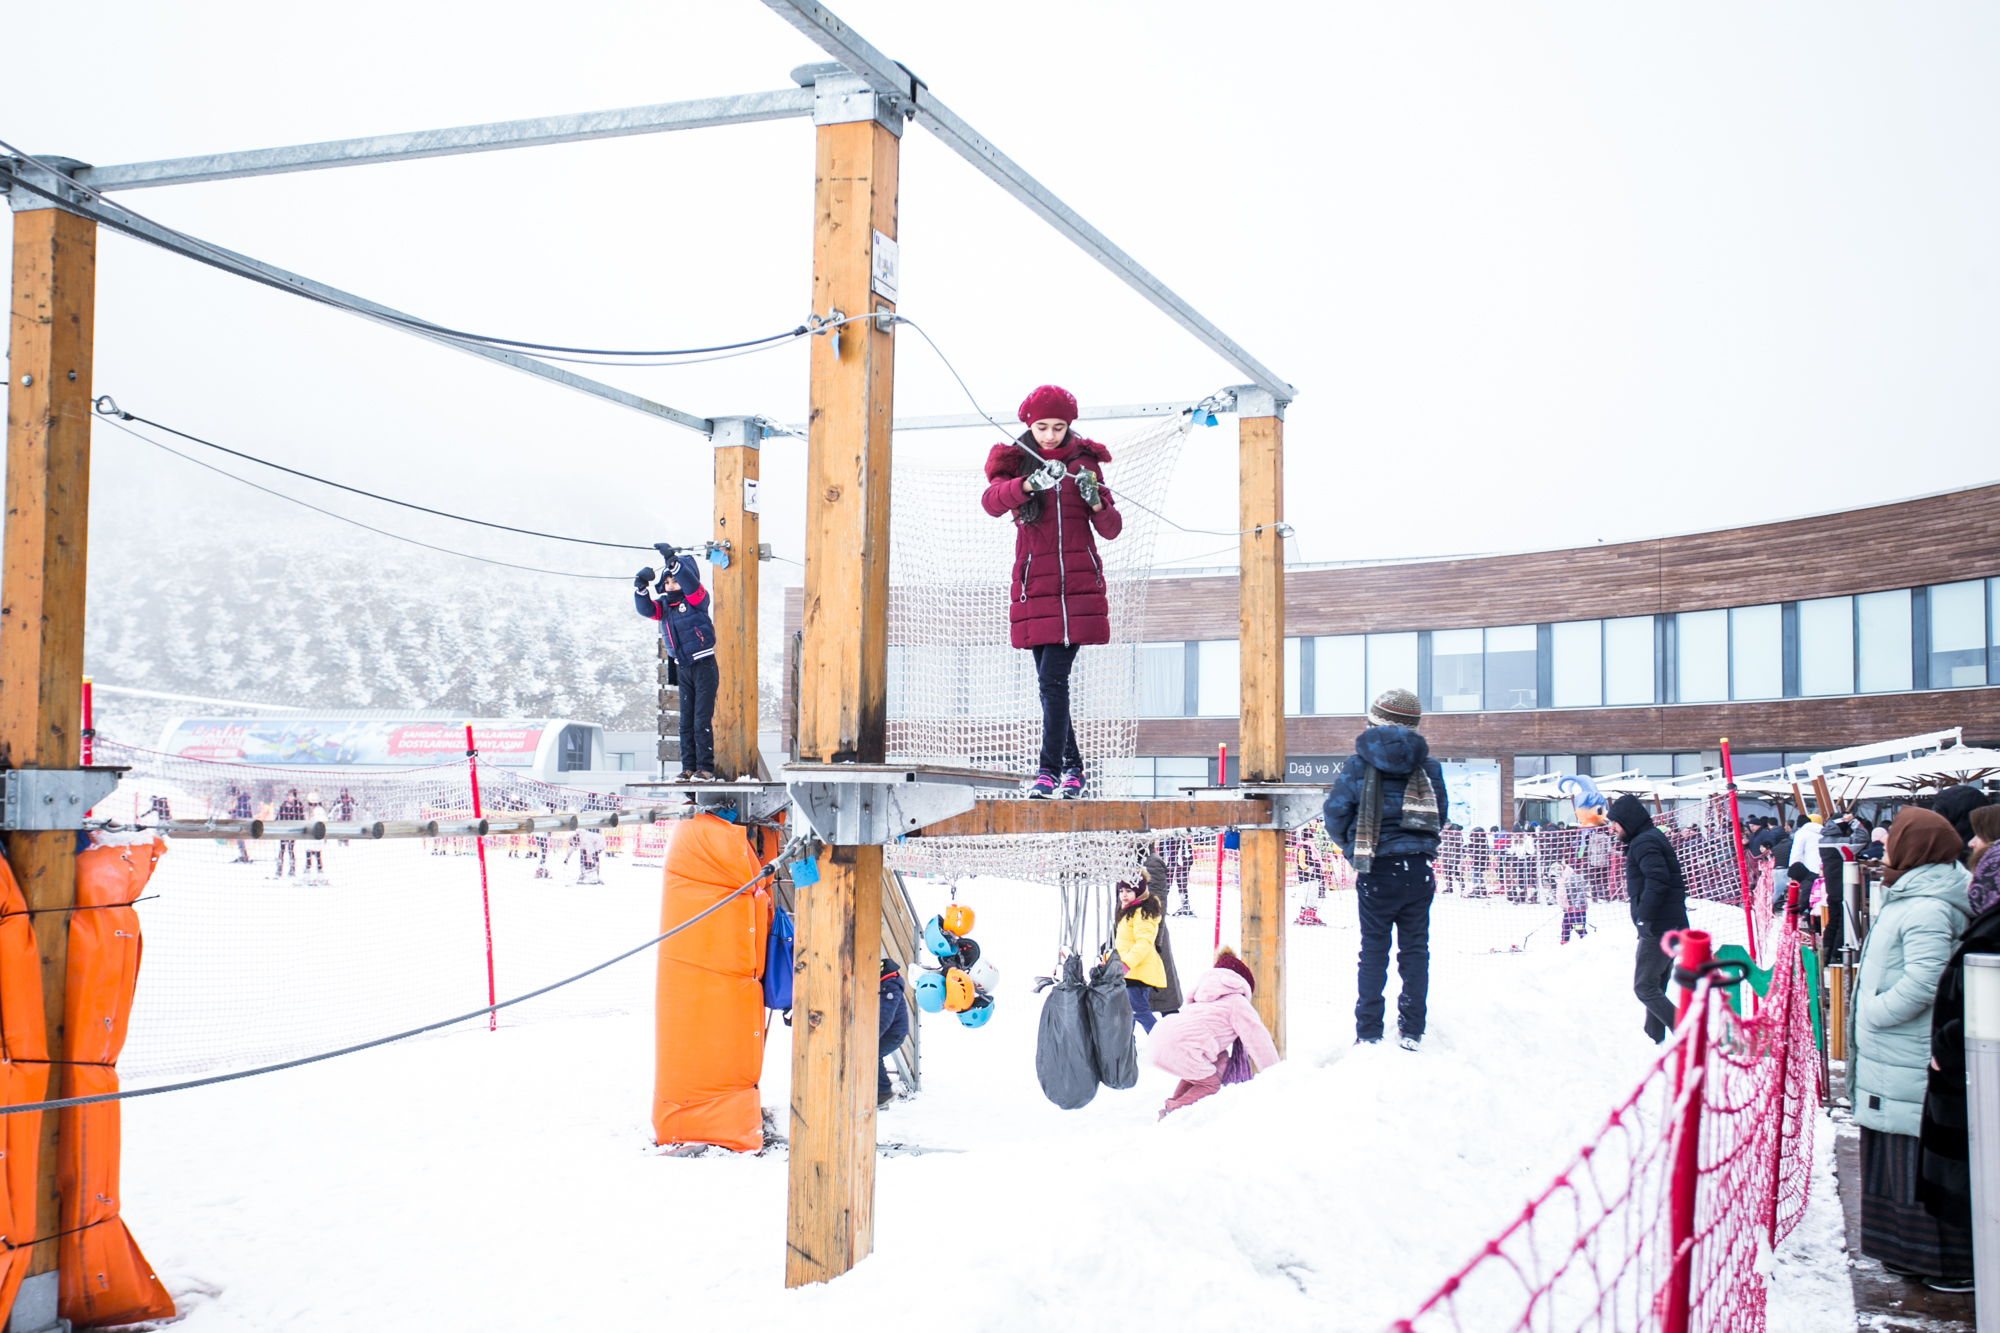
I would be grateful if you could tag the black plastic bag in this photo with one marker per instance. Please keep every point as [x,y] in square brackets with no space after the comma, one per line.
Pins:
[1166,999]
[1111,1025]
[1065,1058]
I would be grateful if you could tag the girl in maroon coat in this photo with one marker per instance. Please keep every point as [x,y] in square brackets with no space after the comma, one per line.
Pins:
[1052,481]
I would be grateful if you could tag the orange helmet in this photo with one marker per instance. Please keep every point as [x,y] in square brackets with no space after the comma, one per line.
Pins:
[958,990]
[958,919]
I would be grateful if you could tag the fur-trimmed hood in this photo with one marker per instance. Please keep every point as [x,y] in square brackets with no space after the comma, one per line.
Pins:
[1007,460]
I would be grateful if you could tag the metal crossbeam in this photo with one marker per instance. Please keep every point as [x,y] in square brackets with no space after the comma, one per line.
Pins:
[702,113]
[1122,412]
[830,34]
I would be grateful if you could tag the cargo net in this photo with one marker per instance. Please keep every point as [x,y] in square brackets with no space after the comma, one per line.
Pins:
[1597,1249]
[959,693]
[306,946]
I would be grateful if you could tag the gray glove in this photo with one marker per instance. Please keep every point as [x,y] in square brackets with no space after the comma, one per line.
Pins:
[1087,486]
[1044,478]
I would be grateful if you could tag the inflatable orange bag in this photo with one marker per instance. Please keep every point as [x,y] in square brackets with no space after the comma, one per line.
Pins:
[709,1012]
[24,1077]
[105,1279]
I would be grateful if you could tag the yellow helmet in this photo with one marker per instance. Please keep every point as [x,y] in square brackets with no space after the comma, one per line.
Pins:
[958,990]
[958,919]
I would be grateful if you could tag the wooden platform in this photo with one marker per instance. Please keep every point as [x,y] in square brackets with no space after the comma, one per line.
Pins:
[996,817]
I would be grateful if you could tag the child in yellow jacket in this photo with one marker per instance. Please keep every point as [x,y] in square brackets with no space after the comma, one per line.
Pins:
[1139,913]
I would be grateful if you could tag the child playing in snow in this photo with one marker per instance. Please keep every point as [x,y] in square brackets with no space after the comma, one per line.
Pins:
[1052,481]
[1139,913]
[1195,1044]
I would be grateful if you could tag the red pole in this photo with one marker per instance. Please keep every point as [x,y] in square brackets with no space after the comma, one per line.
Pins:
[485,903]
[1781,975]
[1686,1166]
[1221,780]
[1742,862]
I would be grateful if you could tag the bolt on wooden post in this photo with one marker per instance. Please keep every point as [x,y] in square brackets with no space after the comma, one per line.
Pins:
[737,443]
[42,586]
[1261,724]
[842,693]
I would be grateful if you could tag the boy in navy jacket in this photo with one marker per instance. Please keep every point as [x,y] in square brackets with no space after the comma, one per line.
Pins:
[681,607]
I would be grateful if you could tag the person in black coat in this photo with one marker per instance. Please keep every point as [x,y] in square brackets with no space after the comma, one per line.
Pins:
[892,1026]
[1944,1180]
[1658,895]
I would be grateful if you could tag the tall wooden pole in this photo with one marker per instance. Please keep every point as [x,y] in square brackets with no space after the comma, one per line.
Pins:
[41,587]
[842,708]
[1261,726]
[737,442]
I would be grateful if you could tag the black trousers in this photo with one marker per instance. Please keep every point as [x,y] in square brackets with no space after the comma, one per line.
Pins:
[1395,895]
[1052,665]
[1650,970]
[698,685]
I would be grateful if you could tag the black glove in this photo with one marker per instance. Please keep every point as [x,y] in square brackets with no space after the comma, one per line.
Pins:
[643,579]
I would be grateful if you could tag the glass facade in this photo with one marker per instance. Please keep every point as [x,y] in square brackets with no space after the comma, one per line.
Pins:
[1704,656]
[1757,652]
[1162,679]
[1457,671]
[1512,673]
[1392,663]
[1577,664]
[1628,661]
[1958,634]
[1826,646]
[1882,641]
[1340,674]
[1218,675]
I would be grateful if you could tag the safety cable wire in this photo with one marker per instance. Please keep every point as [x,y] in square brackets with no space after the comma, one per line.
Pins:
[106,406]
[62,1103]
[381,532]
[223,259]
[1284,529]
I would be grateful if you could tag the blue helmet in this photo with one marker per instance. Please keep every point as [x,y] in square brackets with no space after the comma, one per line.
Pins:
[930,992]
[976,1016]
[939,940]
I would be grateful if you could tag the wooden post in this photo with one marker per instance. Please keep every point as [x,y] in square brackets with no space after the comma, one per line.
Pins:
[1260,729]
[41,587]
[842,700]
[737,441]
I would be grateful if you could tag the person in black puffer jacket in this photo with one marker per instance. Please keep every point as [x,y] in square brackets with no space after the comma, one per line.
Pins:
[1391,840]
[1658,895]
[891,1027]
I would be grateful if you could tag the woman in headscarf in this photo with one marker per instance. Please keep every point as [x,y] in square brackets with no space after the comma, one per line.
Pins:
[1909,943]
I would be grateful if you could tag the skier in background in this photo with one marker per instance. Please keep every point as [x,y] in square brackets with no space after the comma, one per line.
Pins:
[344,806]
[240,808]
[590,849]
[1177,853]
[291,808]
[315,857]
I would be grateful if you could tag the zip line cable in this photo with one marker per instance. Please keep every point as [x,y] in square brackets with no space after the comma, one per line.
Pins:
[381,532]
[106,406]
[223,259]
[63,1103]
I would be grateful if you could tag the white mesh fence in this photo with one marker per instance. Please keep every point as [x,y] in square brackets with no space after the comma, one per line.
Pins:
[958,692]
[308,946]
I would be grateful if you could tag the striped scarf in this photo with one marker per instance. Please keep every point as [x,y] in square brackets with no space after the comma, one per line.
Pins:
[1420,813]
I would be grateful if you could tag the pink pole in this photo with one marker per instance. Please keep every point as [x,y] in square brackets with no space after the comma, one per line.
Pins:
[485,903]
[1221,780]
[1686,1165]
[89,733]
[1742,862]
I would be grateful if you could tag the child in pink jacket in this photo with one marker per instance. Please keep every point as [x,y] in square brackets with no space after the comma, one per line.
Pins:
[1194,1044]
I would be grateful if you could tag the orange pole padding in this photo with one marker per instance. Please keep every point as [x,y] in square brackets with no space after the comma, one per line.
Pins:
[24,1077]
[105,1279]
[709,1010]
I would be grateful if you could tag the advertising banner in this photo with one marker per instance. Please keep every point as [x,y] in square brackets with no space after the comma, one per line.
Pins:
[299,742]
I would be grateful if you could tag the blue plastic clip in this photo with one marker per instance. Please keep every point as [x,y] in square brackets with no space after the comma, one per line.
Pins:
[1210,421]
[718,557]
[805,872]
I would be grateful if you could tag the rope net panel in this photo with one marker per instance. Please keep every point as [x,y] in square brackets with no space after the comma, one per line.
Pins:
[959,693]
[312,945]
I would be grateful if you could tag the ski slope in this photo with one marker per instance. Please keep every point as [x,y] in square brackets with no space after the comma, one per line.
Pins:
[506,1180]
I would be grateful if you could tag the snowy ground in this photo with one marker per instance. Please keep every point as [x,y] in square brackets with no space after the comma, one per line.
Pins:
[507,1180]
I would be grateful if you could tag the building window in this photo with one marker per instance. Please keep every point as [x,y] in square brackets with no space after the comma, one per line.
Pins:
[1958,634]
[1757,652]
[1392,663]
[1510,667]
[1219,678]
[574,754]
[1628,660]
[1651,765]
[1340,675]
[1578,673]
[622,760]
[1291,677]
[1993,630]
[1826,646]
[1162,679]
[1882,641]
[1457,669]
[1704,656]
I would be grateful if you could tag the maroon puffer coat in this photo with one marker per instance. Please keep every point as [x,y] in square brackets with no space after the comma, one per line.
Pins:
[1058,580]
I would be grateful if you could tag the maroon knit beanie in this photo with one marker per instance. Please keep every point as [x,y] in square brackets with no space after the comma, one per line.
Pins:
[1242,969]
[1051,400]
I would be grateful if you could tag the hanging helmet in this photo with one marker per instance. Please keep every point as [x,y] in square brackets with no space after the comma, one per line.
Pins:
[968,953]
[958,919]
[976,1016]
[930,992]
[958,992]
[938,940]
[985,976]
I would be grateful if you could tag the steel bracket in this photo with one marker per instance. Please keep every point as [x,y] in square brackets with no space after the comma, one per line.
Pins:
[1293,804]
[841,99]
[866,805]
[46,799]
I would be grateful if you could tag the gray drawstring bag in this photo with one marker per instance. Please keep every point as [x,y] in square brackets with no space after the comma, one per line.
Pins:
[1111,1025]
[1065,1059]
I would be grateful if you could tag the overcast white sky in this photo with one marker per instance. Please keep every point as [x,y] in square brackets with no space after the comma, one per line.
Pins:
[1542,274]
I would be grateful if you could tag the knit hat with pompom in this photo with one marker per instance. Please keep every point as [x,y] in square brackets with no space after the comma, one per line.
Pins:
[1051,400]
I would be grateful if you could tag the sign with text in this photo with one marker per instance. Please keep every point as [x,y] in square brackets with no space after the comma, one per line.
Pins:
[296,742]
